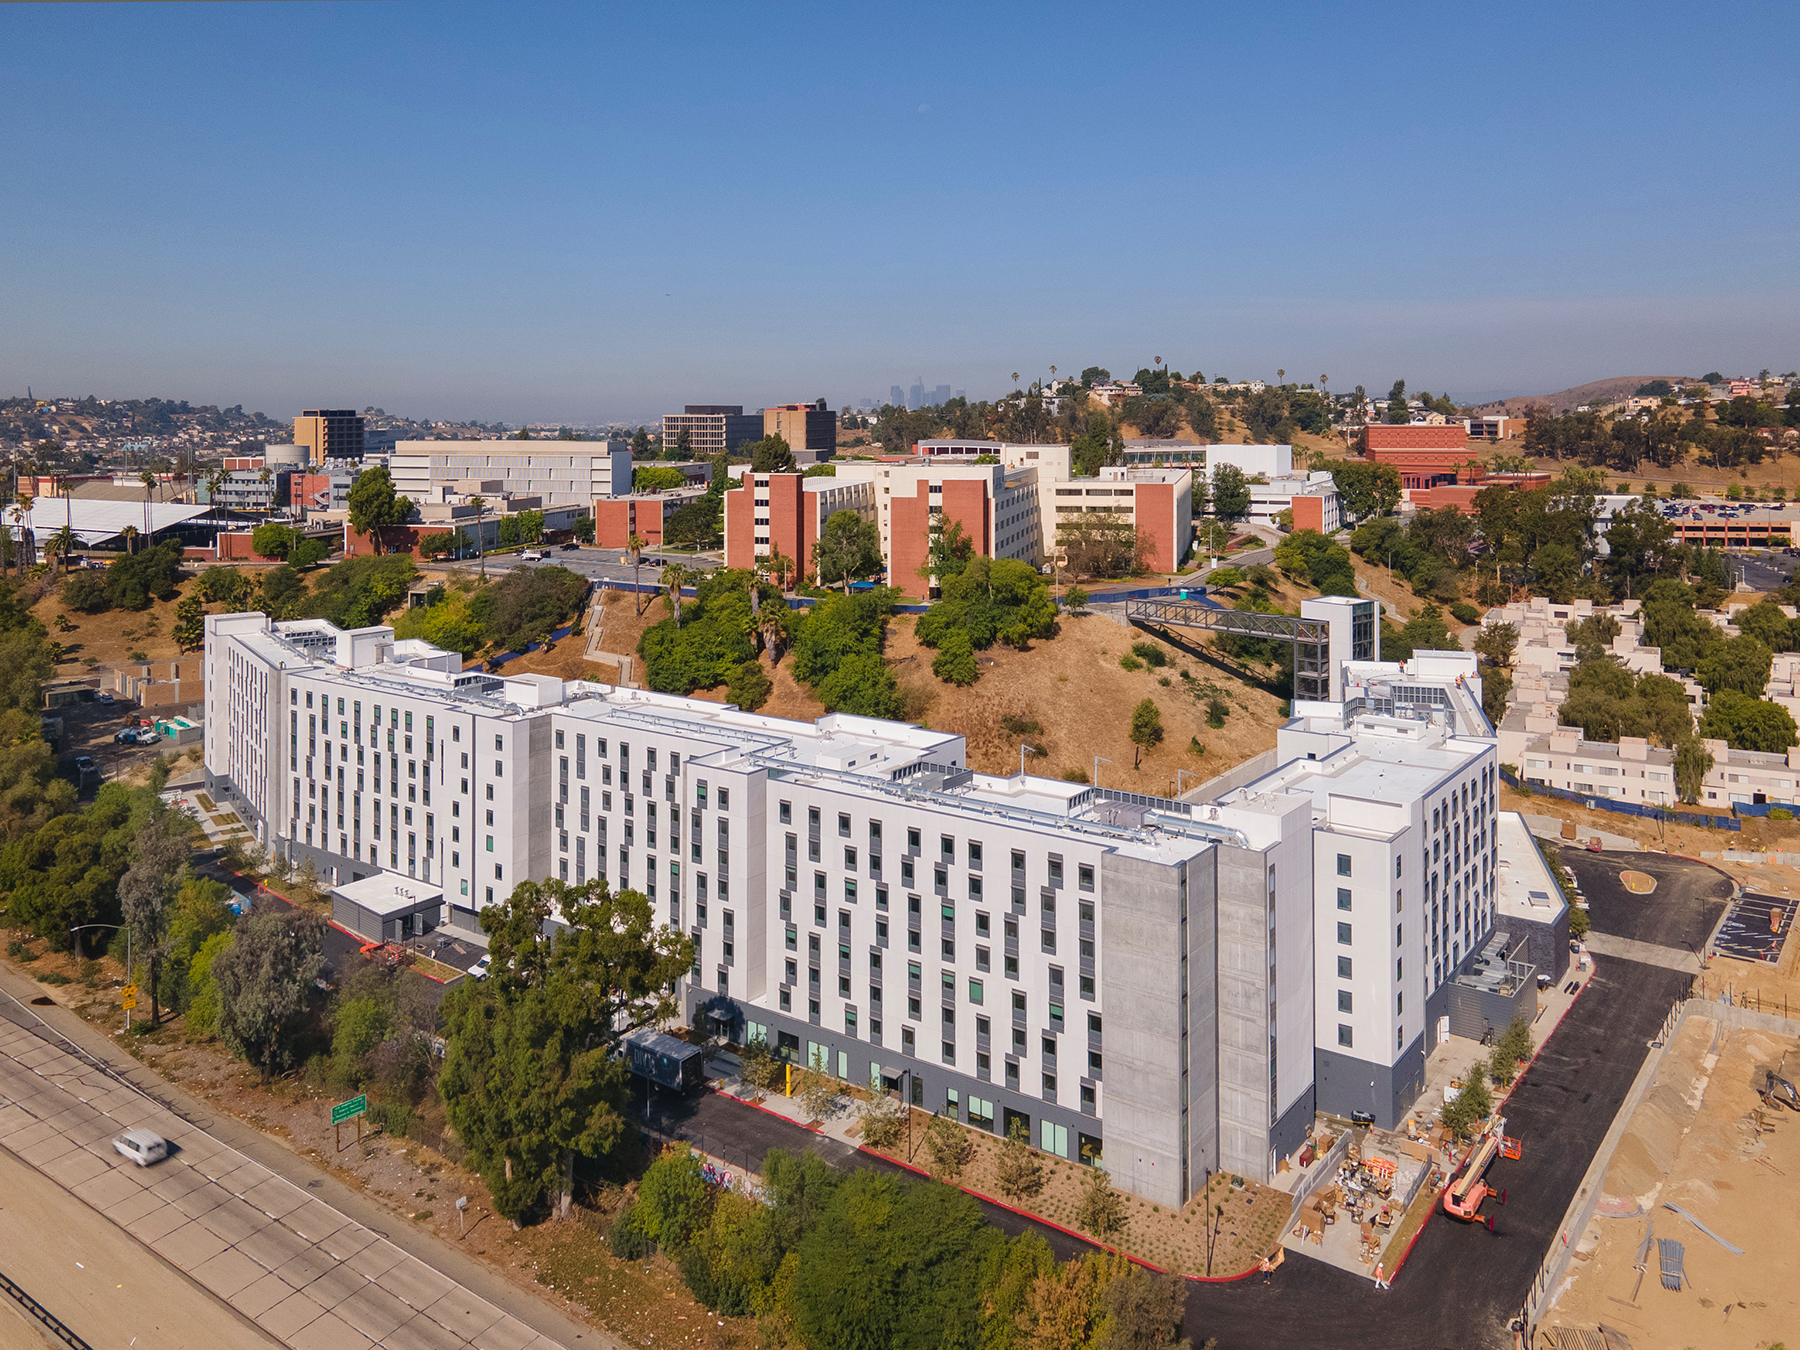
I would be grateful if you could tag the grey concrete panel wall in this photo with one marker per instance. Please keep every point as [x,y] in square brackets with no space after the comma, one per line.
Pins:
[1545,945]
[539,791]
[1142,1002]
[1235,777]
[1245,1110]
[1203,1018]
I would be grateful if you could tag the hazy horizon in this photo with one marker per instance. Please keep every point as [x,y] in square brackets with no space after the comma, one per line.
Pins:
[574,213]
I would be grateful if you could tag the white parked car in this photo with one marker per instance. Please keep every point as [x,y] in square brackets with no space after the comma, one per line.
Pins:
[480,969]
[532,555]
[142,1146]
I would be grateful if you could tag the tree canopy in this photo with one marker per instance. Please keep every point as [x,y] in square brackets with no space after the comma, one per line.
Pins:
[374,505]
[533,1072]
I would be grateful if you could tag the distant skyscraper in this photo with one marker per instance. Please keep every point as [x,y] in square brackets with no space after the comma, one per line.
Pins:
[940,395]
[962,393]
[896,396]
[915,397]
[330,433]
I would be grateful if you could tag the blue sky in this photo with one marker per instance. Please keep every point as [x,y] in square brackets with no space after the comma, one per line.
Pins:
[582,212]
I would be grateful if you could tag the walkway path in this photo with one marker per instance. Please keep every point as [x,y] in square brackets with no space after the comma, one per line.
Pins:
[268,1234]
[1670,958]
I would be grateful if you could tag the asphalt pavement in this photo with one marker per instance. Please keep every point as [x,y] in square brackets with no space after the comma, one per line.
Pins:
[601,564]
[1680,913]
[1462,1284]
[1765,571]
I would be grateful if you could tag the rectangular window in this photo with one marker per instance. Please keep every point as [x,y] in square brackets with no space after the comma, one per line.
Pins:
[1343,864]
[1084,876]
[1343,898]
[1344,1001]
[1343,967]
[1345,1037]
[1344,933]
[974,991]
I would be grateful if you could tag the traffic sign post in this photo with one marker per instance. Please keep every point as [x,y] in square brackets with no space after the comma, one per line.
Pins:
[128,997]
[354,1109]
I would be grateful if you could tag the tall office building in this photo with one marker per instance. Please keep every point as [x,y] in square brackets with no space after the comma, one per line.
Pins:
[562,473]
[896,396]
[712,427]
[330,433]
[810,429]
[915,396]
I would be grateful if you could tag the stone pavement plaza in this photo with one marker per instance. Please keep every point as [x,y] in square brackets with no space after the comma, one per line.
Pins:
[300,1270]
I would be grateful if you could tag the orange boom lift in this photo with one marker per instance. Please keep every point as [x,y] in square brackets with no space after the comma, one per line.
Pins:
[1470,1188]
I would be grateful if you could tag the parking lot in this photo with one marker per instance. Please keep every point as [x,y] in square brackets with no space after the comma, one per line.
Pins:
[91,728]
[1680,913]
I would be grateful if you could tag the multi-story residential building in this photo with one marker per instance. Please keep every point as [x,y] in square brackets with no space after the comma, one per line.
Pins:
[1142,980]
[1009,500]
[1275,486]
[1425,454]
[810,429]
[644,515]
[785,513]
[1158,453]
[560,473]
[330,433]
[712,428]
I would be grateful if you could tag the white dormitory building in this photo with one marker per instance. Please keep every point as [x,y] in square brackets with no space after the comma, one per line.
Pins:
[1276,486]
[1170,987]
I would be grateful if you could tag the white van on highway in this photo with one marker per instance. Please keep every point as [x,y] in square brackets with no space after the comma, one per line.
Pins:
[142,1146]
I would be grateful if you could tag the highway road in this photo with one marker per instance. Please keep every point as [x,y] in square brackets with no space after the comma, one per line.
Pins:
[265,1235]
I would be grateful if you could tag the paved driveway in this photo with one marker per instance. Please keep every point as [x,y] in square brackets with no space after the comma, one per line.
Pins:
[1679,914]
[1462,1284]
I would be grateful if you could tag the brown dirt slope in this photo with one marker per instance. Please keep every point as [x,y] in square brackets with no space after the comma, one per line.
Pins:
[1567,400]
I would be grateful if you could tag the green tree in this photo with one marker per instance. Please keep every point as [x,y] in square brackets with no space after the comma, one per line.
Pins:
[849,549]
[1747,723]
[374,505]
[86,592]
[1740,663]
[1101,1211]
[771,454]
[1075,600]
[1397,411]
[159,854]
[948,553]
[224,586]
[533,1073]
[273,541]
[1471,1105]
[1496,643]
[1230,492]
[673,1199]
[1366,488]
[1143,1309]
[1692,764]
[950,1148]
[750,686]
[282,591]
[309,553]
[358,1026]
[1765,622]
[1019,1170]
[265,980]
[656,478]
[1146,729]
[190,624]
[203,986]
[136,579]
[955,662]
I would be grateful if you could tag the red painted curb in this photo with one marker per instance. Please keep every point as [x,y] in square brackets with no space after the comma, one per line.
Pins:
[1051,1223]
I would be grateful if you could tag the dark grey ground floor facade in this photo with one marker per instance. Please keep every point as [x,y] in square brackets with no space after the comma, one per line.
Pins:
[937,1088]
[1352,1087]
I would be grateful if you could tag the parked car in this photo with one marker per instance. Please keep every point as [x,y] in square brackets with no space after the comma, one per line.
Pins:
[84,764]
[570,547]
[126,737]
[480,969]
[532,555]
[149,736]
[104,699]
[142,1146]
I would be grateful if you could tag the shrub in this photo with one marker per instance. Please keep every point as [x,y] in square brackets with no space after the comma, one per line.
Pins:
[628,1238]
[1075,775]
[1780,813]
[1216,712]
[87,592]
[882,1125]
[673,1198]
[955,661]
[1464,612]
[1014,725]
[1150,654]
[1130,662]
[750,686]
[1225,577]
[1076,600]
[950,1147]
[52,977]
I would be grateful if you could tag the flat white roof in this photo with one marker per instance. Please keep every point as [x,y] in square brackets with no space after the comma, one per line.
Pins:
[389,893]
[96,520]
[1527,890]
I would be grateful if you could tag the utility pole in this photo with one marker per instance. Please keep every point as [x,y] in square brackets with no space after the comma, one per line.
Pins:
[1098,761]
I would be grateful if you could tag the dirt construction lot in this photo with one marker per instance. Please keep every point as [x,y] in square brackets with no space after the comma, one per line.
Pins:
[1695,1141]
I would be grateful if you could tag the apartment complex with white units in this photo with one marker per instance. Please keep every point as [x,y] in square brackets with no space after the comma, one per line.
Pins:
[561,473]
[1172,987]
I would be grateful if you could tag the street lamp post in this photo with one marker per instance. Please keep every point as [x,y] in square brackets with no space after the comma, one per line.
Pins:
[1178,777]
[1022,749]
[1098,761]
[115,927]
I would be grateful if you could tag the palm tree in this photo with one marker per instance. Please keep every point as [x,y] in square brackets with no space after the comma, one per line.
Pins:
[21,514]
[64,486]
[130,535]
[635,547]
[480,504]
[1280,376]
[64,543]
[148,479]
[674,577]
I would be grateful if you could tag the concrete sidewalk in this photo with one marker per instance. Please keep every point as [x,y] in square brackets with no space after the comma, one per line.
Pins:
[300,1254]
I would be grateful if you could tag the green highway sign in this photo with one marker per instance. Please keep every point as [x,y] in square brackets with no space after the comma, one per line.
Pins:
[350,1110]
